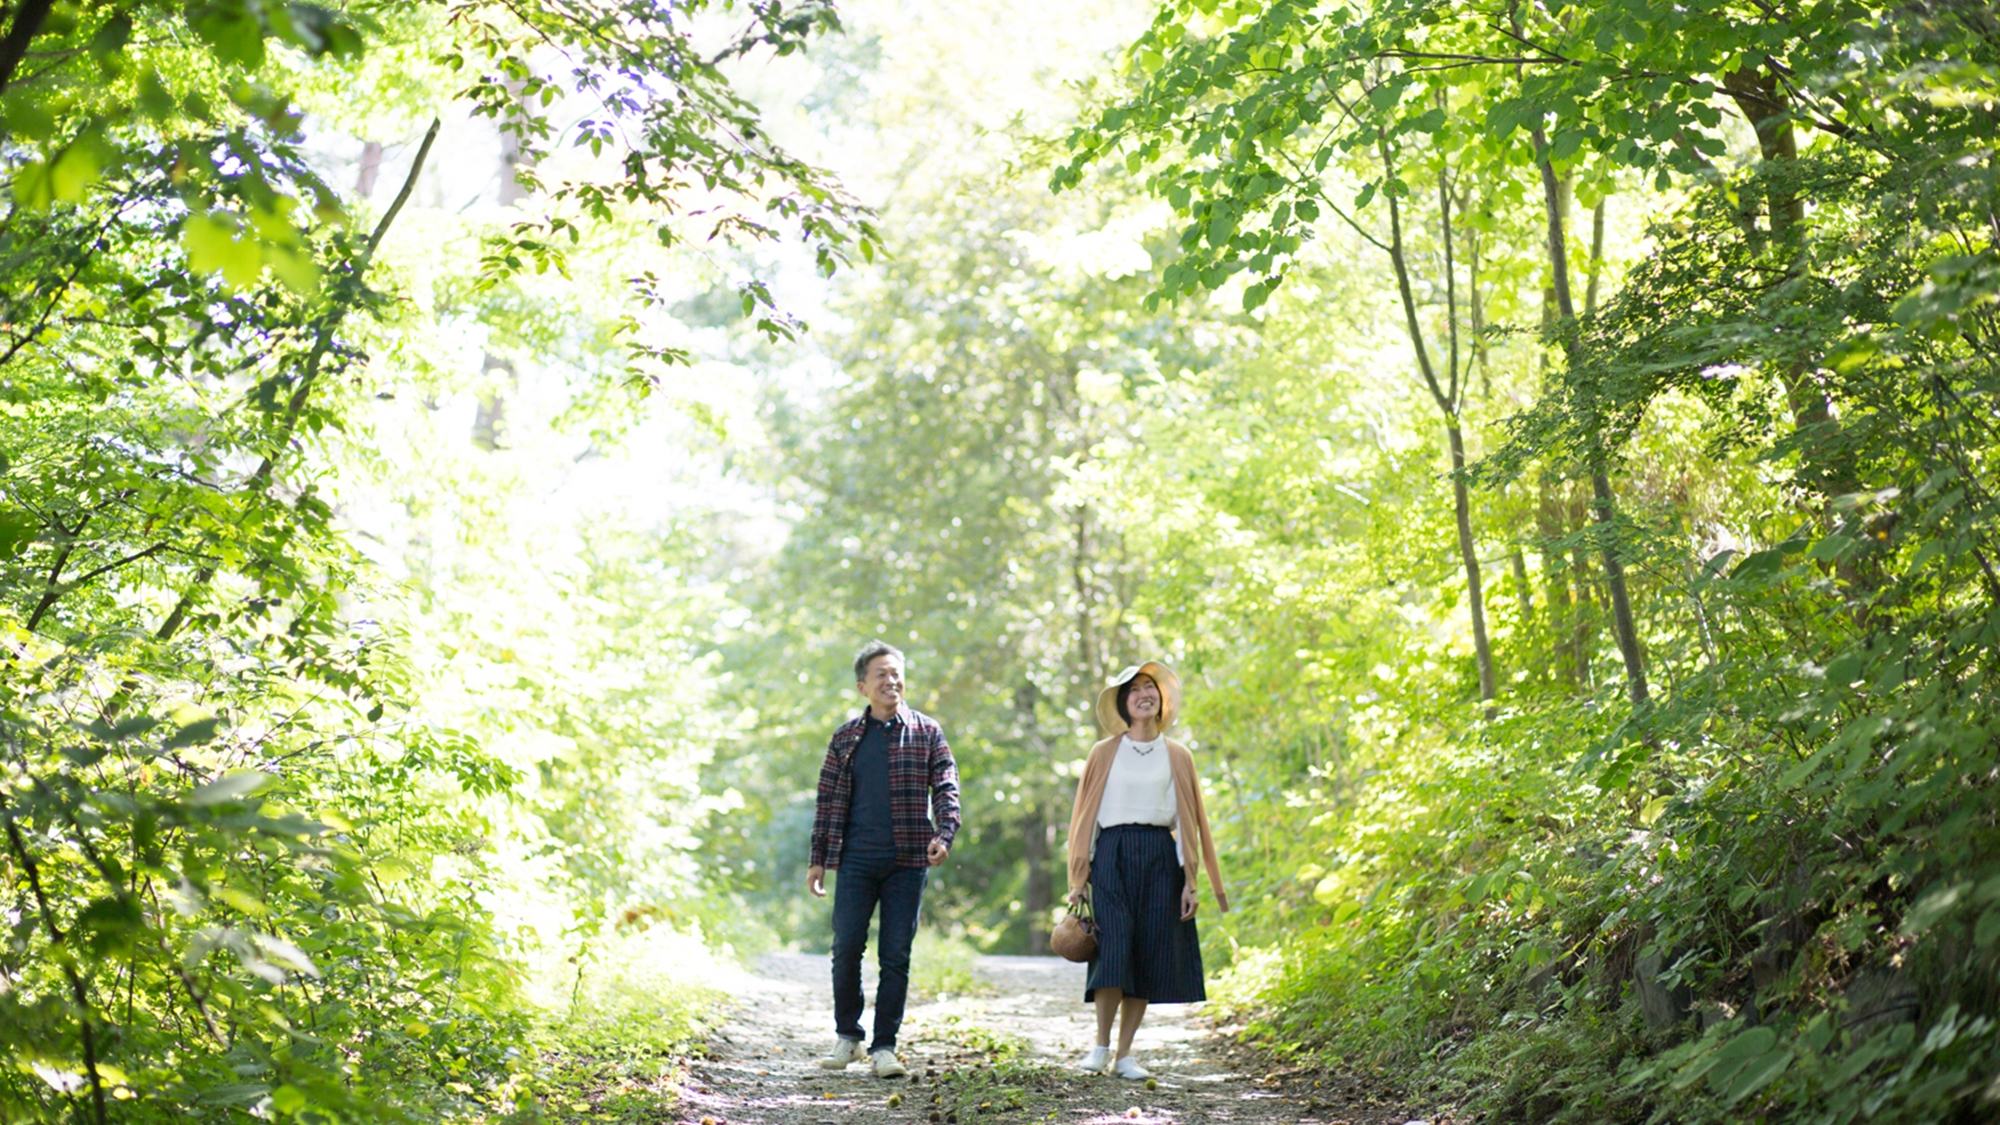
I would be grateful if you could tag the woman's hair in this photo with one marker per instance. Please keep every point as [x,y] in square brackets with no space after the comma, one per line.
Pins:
[1125,689]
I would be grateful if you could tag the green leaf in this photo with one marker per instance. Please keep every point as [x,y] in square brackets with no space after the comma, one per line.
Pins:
[234,33]
[110,923]
[1758,1073]
[295,268]
[214,246]
[112,36]
[236,1093]
[229,787]
[288,1099]
[1987,928]
[63,178]
[121,730]
[282,952]
[1748,1044]
[17,530]
[194,734]
[1846,668]
[1932,907]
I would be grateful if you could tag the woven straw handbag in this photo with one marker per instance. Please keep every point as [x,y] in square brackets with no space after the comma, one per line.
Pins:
[1075,937]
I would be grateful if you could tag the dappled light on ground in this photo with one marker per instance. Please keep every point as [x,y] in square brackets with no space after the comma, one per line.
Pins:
[1002,1057]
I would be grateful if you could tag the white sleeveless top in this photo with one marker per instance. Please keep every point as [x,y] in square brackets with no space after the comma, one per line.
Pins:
[1140,787]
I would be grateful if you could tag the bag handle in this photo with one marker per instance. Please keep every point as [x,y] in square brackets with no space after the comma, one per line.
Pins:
[1083,909]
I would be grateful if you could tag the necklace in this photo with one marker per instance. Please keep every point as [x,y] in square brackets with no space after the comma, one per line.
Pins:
[1143,748]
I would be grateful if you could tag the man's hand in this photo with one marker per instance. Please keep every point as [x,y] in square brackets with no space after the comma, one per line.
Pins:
[816,881]
[938,850]
[1188,903]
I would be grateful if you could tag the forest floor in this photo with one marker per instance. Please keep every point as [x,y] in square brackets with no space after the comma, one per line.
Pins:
[999,1055]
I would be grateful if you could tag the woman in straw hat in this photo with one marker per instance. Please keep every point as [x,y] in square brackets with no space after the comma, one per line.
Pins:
[1134,836]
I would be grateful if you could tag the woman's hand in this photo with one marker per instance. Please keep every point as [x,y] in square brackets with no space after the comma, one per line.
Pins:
[1079,896]
[1188,903]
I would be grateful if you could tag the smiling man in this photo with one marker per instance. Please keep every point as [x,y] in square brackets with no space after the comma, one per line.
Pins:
[887,813]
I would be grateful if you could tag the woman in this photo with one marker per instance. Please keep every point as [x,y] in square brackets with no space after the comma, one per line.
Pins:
[1133,836]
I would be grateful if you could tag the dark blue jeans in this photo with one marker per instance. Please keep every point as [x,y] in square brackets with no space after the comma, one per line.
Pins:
[862,883]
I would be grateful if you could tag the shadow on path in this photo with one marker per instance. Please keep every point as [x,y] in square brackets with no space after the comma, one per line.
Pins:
[998,1058]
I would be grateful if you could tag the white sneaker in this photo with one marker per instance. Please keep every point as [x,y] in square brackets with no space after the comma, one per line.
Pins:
[844,1051]
[1128,1068]
[1095,1061]
[887,1065]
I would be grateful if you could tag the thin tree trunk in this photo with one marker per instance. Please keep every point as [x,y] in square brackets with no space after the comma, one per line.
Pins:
[371,168]
[1038,896]
[1086,649]
[1523,594]
[1603,508]
[1604,512]
[1462,509]
[1582,626]
[1478,304]
[1555,565]
[1596,258]
[1447,401]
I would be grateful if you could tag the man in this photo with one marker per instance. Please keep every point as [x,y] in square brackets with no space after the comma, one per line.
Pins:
[887,813]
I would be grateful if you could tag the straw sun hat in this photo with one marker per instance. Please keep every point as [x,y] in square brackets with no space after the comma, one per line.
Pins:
[1108,719]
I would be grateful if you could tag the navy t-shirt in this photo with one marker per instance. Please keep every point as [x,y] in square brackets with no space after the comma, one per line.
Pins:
[870,829]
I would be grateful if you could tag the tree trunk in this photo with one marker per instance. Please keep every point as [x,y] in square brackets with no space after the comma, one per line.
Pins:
[1523,594]
[1555,566]
[1583,626]
[1086,648]
[1755,91]
[1603,508]
[1767,109]
[1462,508]
[1447,399]
[1038,896]
[21,31]
[1623,626]
[1596,258]
[370,170]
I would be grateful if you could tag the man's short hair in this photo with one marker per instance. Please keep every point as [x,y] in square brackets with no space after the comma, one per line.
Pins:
[867,656]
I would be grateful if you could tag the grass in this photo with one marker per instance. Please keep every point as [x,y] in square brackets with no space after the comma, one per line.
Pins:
[617,1019]
[941,966]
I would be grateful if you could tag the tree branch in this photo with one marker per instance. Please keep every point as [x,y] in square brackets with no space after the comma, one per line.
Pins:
[295,406]
[56,593]
[56,938]
[1398,259]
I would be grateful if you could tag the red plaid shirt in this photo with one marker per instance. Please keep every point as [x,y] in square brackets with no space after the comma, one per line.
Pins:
[923,786]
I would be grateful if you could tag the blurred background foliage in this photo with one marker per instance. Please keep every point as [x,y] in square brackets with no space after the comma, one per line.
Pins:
[451,453]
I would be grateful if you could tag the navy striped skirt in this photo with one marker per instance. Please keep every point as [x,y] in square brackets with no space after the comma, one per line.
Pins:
[1143,947]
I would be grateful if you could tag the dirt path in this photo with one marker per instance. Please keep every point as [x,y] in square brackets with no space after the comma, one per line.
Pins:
[997,1058]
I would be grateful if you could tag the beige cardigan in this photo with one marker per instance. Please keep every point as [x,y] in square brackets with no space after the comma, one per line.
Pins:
[1187,796]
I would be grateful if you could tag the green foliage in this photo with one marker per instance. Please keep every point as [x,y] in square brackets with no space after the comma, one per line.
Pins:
[1756,892]
[254,861]
[942,966]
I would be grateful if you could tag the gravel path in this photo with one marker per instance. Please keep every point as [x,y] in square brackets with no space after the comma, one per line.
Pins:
[996,1058]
